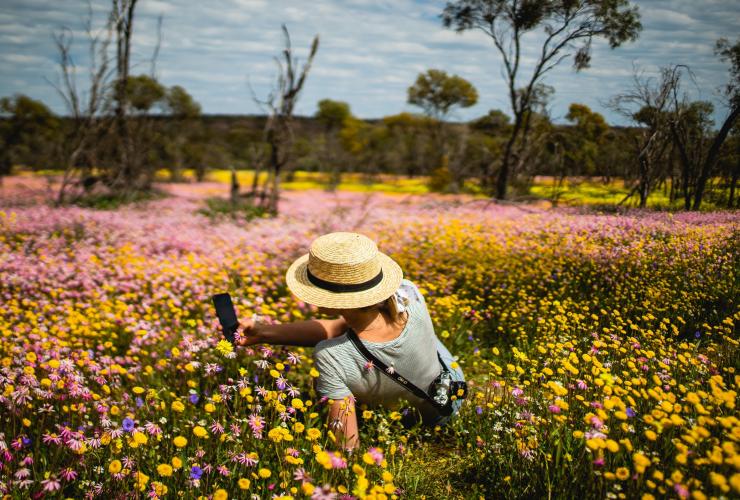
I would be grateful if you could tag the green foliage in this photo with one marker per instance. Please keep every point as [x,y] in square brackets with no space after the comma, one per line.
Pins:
[615,20]
[144,92]
[29,133]
[438,93]
[181,104]
[495,122]
[241,209]
[113,201]
[332,114]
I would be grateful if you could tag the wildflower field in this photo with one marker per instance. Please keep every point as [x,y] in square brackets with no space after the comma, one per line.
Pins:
[601,352]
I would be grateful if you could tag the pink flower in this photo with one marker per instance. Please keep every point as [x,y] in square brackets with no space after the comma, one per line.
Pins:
[68,474]
[217,428]
[51,484]
[376,454]
[337,462]
[256,423]
[369,365]
[554,408]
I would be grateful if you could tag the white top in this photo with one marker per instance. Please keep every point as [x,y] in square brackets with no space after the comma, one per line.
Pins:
[413,354]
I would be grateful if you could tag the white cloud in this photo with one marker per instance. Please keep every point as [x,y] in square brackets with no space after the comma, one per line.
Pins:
[370,50]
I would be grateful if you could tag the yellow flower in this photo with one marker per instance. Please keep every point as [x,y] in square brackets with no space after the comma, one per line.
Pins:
[139,390]
[180,441]
[274,373]
[244,483]
[178,406]
[176,463]
[114,467]
[612,446]
[164,470]
[200,431]
[224,347]
[209,407]
[367,414]
[313,434]
[641,462]
[314,372]
[296,403]
[220,494]
[652,436]
[623,473]
[140,438]
[159,488]
[264,473]
[298,427]
[142,479]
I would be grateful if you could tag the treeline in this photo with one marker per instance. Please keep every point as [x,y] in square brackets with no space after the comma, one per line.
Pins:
[334,141]
[120,129]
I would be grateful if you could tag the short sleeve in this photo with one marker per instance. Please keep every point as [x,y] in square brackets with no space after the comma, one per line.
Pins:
[330,382]
[409,290]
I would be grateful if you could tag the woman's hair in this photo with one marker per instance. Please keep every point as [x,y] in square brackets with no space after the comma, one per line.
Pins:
[389,307]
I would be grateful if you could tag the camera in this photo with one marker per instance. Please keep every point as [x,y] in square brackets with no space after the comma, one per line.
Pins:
[443,388]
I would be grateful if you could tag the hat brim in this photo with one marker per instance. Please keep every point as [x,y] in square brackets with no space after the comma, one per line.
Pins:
[298,283]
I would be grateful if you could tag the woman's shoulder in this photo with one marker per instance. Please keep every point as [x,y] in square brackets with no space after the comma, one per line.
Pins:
[330,346]
[410,291]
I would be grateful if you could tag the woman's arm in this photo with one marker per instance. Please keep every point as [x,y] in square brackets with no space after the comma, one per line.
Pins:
[300,333]
[343,423]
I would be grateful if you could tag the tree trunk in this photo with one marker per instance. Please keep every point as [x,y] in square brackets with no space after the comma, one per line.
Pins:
[711,159]
[733,183]
[503,173]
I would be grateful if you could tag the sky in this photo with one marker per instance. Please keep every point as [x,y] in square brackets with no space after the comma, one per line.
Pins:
[223,52]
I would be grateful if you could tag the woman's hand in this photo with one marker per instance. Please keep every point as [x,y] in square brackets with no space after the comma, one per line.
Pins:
[249,333]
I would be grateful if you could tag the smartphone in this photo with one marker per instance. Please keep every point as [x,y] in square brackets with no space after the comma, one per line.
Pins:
[226,315]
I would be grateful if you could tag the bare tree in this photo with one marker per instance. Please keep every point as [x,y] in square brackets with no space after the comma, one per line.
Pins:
[278,129]
[88,109]
[648,105]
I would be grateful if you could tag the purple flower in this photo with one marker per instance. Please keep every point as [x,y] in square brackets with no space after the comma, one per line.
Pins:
[195,472]
[194,398]
[478,410]
[631,413]
[128,424]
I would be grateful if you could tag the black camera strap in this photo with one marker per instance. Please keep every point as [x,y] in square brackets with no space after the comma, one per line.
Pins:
[394,375]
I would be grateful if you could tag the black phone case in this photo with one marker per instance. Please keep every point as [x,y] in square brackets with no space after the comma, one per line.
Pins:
[226,315]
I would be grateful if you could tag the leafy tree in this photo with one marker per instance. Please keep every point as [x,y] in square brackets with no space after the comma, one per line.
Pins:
[183,110]
[437,93]
[144,92]
[332,113]
[28,132]
[180,104]
[587,135]
[495,122]
[411,144]
[569,28]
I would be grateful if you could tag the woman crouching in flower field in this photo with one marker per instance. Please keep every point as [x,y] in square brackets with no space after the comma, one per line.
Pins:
[383,339]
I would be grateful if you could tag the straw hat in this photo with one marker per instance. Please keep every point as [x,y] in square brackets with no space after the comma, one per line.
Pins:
[344,271]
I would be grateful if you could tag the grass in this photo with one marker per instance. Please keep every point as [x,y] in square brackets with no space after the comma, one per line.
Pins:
[574,192]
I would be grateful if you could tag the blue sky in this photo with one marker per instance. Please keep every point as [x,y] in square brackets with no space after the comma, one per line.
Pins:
[370,51]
